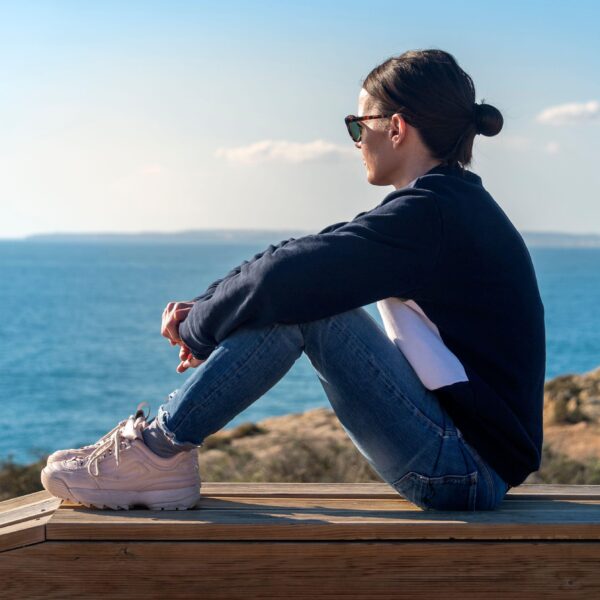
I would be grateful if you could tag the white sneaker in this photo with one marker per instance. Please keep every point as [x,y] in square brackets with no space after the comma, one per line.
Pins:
[60,455]
[123,472]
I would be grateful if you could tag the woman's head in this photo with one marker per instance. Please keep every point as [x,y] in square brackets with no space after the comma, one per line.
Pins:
[434,116]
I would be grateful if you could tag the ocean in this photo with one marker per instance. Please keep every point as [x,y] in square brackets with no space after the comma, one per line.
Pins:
[80,342]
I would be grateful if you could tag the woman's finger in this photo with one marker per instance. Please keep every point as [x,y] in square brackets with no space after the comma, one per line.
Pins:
[172,315]
[184,365]
[179,314]
[184,353]
[190,362]
[172,330]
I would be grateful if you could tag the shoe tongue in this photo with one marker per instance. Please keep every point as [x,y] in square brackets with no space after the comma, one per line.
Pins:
[140,411]
[133,427]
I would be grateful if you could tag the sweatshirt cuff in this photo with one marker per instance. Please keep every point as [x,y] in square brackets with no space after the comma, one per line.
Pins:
[198,350]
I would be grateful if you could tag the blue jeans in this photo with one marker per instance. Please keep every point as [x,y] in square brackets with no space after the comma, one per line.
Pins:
[396,423]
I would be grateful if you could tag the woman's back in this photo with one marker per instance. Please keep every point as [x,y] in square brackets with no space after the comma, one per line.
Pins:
[483,296]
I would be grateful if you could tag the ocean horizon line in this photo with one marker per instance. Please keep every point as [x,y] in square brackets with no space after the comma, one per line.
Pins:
[262,235]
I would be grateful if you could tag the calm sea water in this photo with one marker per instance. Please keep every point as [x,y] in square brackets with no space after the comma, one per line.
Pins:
[80,341]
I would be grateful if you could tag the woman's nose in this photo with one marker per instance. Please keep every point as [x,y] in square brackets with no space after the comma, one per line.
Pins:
[357,145]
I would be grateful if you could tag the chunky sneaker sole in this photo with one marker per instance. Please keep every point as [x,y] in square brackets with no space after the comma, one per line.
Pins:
[174,499]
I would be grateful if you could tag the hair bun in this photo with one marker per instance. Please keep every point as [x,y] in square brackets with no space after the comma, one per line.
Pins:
[488,119]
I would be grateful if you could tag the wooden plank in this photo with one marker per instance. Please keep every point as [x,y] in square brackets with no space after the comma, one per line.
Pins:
[337,490]
[491,570]
[358,504]
[28,511]
[376,490]
[18,502]
[324,511]
[298,490]
[557,491]
[28,532]
[555,520]
[23,520]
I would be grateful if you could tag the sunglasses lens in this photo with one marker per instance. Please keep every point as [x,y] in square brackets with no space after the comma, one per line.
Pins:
[354,129]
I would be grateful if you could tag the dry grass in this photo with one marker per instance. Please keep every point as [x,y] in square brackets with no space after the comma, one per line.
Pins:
[18,480]
[297,460]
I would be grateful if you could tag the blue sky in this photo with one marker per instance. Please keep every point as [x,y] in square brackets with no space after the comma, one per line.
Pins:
[133,116]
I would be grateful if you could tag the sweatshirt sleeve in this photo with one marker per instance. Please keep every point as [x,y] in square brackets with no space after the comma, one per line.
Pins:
[387,251]
[213,286]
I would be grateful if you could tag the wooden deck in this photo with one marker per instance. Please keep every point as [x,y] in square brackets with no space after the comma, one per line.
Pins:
[305,541]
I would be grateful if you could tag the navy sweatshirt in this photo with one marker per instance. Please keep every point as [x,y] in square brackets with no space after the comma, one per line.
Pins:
[444,243]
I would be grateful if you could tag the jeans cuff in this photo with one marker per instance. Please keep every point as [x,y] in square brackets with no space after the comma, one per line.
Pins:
[161,418]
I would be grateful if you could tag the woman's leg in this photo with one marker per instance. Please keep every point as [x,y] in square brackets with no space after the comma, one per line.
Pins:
[395,422]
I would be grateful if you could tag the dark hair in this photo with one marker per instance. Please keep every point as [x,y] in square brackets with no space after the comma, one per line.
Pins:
[434,95]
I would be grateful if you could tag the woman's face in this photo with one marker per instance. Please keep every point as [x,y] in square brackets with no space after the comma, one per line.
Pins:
[392,150]
[379,157]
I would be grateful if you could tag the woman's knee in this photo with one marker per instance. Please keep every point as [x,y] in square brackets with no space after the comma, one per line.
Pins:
[316,332]
[278,334]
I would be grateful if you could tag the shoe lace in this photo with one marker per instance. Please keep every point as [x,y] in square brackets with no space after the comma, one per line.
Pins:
[128,429]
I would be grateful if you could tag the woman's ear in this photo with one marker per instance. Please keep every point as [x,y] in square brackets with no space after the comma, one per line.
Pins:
[397,130]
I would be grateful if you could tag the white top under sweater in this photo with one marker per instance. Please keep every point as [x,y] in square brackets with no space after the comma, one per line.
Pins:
[407,325]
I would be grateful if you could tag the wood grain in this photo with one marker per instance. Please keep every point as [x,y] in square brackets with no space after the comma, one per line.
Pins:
[23,520]
[377,490]
[491,570]
[28,511]
[22,534]
[27,500]
[305,541]
[327,519]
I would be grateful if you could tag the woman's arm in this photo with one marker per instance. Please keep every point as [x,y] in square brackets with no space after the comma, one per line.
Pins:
[387,251]
[213,286]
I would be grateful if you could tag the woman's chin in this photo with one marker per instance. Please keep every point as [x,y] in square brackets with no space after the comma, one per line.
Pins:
[373,179]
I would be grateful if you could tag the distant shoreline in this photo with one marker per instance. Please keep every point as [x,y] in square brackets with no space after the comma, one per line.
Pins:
[205,236]
[550,239]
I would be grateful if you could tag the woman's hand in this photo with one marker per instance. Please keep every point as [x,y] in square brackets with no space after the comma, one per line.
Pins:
[174,313]
[187,359]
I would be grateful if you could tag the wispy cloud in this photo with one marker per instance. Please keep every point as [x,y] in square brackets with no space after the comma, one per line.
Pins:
[510,141]
[284,151]
[520,143]
[573,112]
[552,148]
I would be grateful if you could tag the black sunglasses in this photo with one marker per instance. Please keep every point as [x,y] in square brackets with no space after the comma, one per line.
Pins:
[354,126]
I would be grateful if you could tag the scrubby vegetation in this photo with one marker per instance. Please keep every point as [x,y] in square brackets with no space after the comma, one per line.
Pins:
[17,480]
[298,460]
[557,468]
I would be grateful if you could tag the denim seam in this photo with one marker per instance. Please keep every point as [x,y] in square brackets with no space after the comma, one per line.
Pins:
[482,466]
[425,485]
[473,500]
[439,430]
[229,374]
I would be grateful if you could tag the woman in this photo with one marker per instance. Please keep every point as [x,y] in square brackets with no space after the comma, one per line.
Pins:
[445,402]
